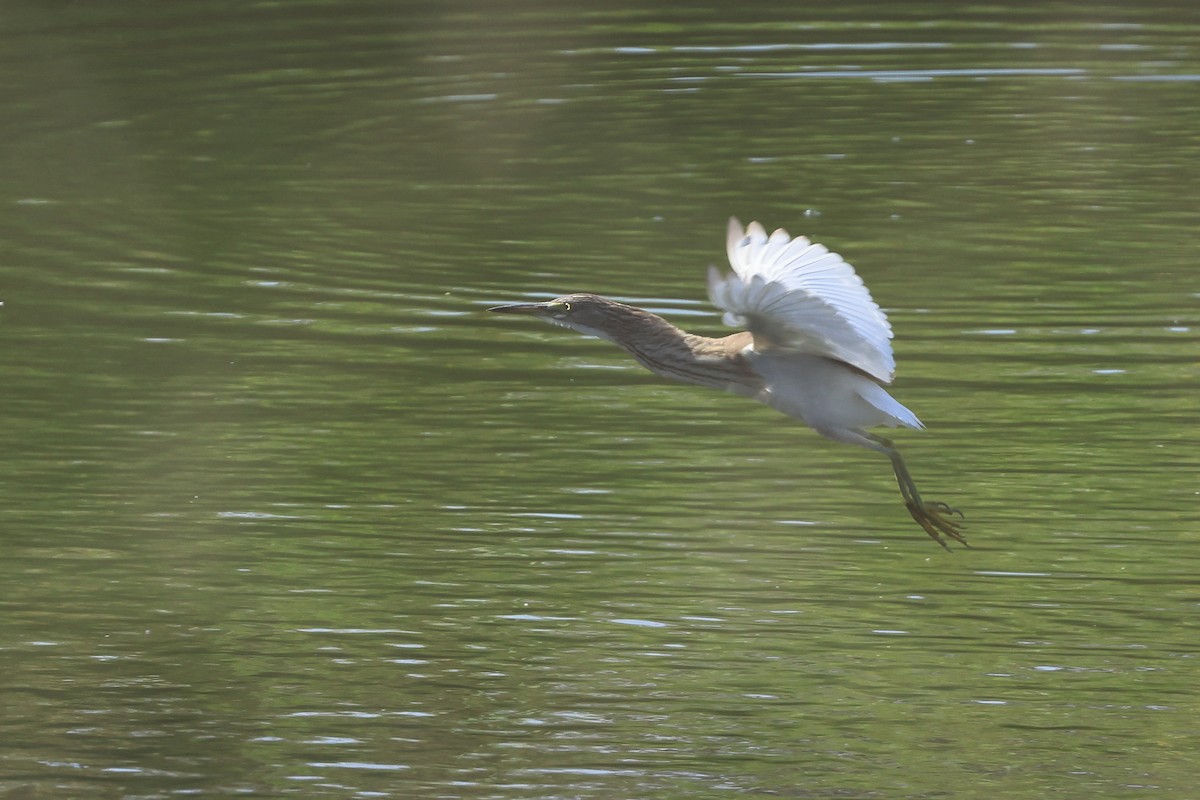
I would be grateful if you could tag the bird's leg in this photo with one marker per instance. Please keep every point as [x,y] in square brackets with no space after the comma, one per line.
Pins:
[934,517]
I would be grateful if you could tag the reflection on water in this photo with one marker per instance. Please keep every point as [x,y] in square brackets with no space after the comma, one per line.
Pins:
[285,512]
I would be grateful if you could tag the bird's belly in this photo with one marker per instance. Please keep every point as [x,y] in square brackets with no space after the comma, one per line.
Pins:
[826,394]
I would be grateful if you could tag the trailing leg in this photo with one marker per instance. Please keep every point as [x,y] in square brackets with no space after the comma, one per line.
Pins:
[935,518]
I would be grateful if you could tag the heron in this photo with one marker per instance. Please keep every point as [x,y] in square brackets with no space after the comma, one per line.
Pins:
[814,346]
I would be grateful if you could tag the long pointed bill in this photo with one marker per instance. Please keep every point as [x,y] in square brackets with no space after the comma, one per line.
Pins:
[521,308]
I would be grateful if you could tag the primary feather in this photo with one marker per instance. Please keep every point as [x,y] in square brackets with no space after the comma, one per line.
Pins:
[794,295]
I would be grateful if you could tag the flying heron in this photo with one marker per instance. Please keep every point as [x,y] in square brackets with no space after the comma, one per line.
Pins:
[815,347]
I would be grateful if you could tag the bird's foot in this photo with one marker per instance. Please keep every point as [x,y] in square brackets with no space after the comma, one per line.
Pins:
[938,519]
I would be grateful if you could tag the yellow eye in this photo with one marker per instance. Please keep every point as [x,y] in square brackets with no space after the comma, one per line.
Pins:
[566,306]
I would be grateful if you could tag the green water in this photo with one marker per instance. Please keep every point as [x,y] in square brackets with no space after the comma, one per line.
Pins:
[284,512]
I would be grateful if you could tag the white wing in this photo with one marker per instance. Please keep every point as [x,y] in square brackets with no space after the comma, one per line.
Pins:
[792,294]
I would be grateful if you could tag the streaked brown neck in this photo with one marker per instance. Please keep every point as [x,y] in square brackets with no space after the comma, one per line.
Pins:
[668,351]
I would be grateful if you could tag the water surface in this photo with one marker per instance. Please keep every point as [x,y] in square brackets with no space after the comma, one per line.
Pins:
[285,512]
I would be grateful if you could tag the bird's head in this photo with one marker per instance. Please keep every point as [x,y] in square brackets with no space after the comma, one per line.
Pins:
[588,314]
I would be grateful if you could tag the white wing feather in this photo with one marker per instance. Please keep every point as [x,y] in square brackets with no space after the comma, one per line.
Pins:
[796,295]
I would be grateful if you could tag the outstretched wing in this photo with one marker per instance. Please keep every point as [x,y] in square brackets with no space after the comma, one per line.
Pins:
[792,294]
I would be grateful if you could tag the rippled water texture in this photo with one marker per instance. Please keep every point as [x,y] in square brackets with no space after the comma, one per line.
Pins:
[284,512]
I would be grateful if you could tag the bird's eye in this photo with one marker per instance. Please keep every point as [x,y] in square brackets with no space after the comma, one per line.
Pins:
[566,306]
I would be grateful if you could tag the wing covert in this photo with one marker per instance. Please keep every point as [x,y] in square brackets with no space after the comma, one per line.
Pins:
[793,294]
